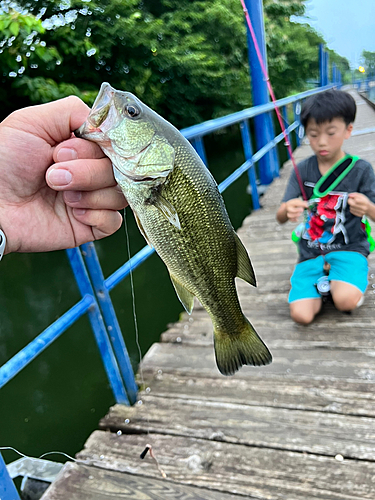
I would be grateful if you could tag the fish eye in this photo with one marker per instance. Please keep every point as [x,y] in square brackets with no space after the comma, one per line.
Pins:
[132,111]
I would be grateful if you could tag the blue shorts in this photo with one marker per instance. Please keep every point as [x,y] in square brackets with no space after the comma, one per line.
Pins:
[349,267]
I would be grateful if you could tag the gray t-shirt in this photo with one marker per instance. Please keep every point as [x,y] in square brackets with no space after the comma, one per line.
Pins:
[330,226]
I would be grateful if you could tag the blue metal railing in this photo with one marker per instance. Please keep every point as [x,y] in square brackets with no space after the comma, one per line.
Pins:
[95,289]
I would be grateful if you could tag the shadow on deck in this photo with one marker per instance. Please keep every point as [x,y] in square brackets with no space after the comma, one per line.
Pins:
[301,428]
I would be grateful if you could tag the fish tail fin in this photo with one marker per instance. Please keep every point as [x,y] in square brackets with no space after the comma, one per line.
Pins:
[243,348]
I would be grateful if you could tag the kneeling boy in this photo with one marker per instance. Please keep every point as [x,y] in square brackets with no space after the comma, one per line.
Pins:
[340,190]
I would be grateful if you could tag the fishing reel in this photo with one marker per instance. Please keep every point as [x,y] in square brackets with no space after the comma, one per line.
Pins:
[323,286]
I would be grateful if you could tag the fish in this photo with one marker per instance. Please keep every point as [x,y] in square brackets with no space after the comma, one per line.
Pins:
[181,214]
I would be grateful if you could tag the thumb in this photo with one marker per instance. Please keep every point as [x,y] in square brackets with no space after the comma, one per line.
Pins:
[55,121]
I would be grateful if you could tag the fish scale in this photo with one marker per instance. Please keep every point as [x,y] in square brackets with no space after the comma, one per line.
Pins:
[181,213]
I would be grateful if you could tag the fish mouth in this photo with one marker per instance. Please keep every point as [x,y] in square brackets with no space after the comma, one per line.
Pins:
[92,128]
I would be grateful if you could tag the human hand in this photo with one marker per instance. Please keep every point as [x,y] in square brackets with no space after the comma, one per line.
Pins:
[359,204]
[294,209]
[56,191]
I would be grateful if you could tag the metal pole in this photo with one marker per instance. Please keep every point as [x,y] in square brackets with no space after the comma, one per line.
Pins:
[98,327]
[326,58]
[248,150]
[334,74]
[263,132]
[110,318]
[7,489]
[198,145]
[321,66]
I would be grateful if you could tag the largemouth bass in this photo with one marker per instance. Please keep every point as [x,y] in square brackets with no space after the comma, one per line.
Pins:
[180,212]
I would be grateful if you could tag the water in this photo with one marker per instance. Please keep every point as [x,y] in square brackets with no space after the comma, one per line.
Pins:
[57,401]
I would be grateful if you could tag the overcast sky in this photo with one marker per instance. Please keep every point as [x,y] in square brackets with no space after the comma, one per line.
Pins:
[348,26]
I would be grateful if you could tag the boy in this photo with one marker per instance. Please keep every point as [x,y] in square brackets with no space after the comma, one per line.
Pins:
[333,239]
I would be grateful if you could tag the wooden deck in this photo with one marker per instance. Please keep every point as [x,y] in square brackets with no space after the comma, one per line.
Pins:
[301,428]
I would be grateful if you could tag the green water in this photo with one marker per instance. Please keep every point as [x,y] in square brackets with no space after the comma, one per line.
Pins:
[57,401]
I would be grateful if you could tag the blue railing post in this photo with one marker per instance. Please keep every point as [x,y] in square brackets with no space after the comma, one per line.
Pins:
[98,327]
[248,150]
[297,113]
[321,66]
[334,74]
[7,489]
[198,145]
[326,59]
[259,86]
[284,112]
[102,294]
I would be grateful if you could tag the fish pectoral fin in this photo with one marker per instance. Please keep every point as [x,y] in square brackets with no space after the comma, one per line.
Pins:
[140,227]
[245,270]
[168,210]
[186,297]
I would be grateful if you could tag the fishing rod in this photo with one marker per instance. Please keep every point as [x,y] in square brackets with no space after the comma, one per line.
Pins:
[270,90]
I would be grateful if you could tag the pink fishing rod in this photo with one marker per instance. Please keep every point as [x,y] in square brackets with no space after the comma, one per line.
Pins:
[270,90]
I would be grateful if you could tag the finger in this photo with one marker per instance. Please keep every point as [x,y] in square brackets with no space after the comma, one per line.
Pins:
[56,120]
[81,175]
[102,222]
[76,148]
[108,198]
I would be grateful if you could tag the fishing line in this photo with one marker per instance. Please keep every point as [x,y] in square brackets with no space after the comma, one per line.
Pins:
[41,456]
[148,447]
[133,304]
[270,90]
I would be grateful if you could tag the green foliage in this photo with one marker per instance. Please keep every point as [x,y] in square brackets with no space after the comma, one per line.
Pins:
[369,63]
[187,59]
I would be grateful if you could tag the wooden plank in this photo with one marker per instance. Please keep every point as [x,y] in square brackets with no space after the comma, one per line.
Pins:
[81,482]
[317,364]
[279,428]
[351,334]
[344,397]
[252,472]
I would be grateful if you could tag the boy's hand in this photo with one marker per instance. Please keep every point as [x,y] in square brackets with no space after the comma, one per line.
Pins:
[294,209]
[360,205]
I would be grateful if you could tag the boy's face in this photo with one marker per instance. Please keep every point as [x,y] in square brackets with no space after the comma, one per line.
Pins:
[326,139]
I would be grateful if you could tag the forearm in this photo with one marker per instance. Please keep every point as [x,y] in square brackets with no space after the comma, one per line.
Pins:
[370,212]
[281,215]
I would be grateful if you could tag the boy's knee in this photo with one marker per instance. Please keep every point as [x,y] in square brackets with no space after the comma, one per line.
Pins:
[301,316]
[347,303]
[345,296]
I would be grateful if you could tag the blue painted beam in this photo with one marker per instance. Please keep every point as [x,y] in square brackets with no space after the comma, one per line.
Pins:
[7,489]
[259,89]
[42,341]
[248,150]
[98,327]
[113,327]
[129,266]
[225,121]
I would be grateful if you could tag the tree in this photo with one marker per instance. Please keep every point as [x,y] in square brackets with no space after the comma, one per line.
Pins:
[369,63]
[187,59]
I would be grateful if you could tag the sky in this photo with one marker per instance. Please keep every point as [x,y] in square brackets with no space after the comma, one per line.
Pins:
[348,26]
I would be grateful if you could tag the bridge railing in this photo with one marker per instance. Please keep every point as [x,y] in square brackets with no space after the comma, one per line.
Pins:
[95,289]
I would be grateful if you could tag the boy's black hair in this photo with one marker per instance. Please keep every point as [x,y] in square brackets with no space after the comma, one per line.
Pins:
[327,105]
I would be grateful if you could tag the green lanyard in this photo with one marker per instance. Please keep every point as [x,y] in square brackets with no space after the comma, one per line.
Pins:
[334,176]
[327,183]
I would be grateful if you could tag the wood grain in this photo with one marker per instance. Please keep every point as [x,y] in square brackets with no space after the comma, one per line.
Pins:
[230,468]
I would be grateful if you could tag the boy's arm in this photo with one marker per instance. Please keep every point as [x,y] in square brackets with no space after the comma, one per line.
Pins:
[360,205]
[291,210]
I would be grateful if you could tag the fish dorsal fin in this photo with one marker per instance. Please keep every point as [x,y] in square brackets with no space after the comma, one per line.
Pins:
[140,227]
[186,297]
[168,210]
[245,270]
